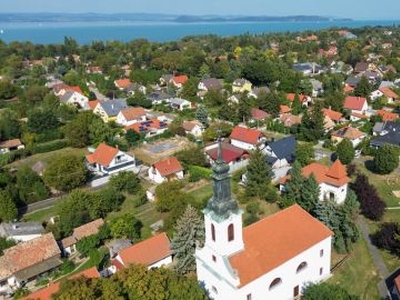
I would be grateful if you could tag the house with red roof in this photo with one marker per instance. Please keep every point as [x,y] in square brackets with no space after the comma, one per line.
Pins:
[236,158]
[387,115]
[390,95]
[47,292]
[131,115]
[304,99]
[331,118]
[107,160]
[246,138]
[179,80]
[153,252]
[258,115]
[333,181]
[354,135]
[11,145]
[357,106]
[166,170]
[274,258]
[193,127]
[122,84]
[149,127]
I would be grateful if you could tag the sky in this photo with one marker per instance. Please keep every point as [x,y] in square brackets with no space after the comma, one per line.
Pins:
[355,9]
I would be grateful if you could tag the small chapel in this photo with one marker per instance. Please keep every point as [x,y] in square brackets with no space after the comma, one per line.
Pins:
[274,258]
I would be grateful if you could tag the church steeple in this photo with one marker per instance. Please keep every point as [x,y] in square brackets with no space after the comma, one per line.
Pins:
[221,205]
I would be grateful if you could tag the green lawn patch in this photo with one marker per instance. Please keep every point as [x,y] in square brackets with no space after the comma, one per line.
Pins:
[357,274]
[42,215]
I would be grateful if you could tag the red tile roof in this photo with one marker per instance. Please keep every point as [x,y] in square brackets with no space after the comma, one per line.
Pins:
[76,89]
[284,109]
[333,115]
[387,115]
[336,175]
[258,114]
[168,166]
[286,234]
[190,125]
[93,103]
[103,155]
[27,254]
[389,93]
[348,132]
[11,143]
[290,120]
[347,88]
[291,96]
[148,251]
[87,229]
[397,284]
[133,113]
[122,83]
[153,125]
[354,103]
[229,153]
[180,79]
[247,135]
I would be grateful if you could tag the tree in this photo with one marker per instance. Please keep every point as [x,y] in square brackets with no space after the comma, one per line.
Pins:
[10,126]
[31,187]
[168,193]
[296,105]
[293,188]
[8,208]
[189,234]
[6,243]
[42,120]
[132,137]
[334,101]
[65,172]
[258,175]
[310,194]
[85,129]
[304,153]
[387,237]
[386,159]
[127,227]
[327,291]
[312,124]
[202,115]
[363,88]
[270,103]
[139,99]
[126,182]
[189,89]
[345,151]
[103,202]
[192,156]
[87,244]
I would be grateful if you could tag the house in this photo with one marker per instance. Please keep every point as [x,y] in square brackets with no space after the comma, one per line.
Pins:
[241,85]
[257,115]
[122,84]
[108,160]
[354,135]
[165,79]
[357,106]
[47,292]
[333,181]
[21,231]
[115,246]
[396,286]
[304,99]
[68,244]
[281,153]
[389,94]
[284,109]
[274,258]
[257,91]
[92,104]
[289,120]
[179,80]
[166,170]
[387,115]
[153,252]
[131,115]
[150,127]
[11,145]
[246,138]
[387,133]
[361,67]
[317,88]
[180,104]
[236,158]
[28,260]
[159,97]
[331,117]
[75,98]
[308,69]
[208,84]
[109,110]
[193,127]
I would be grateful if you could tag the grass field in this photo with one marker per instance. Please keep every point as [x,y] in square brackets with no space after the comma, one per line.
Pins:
[357,274]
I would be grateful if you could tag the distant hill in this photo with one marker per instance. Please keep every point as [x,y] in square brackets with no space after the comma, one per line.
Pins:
[120,17]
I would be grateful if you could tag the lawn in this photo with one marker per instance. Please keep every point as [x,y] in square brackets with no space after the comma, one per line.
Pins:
[357,274]
[42,215]
[46,157]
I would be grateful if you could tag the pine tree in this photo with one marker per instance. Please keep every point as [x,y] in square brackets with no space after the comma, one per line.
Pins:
[293,188]
[309,194]
[202,115]
[189,233]
[259,174]
[345,151]
[296,105]
[312,124]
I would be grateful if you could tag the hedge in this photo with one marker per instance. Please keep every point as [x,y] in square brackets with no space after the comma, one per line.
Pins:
[50,146]
[196,173]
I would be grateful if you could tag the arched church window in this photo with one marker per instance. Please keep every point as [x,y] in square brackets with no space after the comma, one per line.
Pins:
[277,281]
[231,233]
[213,232]
[301,266]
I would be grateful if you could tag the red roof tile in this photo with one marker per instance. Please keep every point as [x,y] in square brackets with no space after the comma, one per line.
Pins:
[123,83]
[354,103]
[387,115]
[333,115]
[348,132]
[93,103]
[347,88]
[153,124]
[103,155]
[246,135]
[11,143]
[229,153]
[133,113]
[168,166]
[389,93]
[285,234]
[148,251]
[87,229]
[258,114]
[180,79]
[291,97]
[76,89]
[284,109]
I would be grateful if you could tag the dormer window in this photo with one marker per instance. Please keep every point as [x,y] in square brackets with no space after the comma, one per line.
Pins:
[231,233]
[213,232]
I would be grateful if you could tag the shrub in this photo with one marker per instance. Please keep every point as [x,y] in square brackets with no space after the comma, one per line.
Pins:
[197,173]
[50,146]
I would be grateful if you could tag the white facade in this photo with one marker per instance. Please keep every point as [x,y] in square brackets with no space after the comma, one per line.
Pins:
[242,145]
[225,285]
[78,98]
[155,175]
[158,264]
[121,120]
[24,237]
[375,95]
[331,192]
[120,162]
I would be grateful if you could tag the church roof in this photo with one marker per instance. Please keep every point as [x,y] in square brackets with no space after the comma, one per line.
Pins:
[276,239]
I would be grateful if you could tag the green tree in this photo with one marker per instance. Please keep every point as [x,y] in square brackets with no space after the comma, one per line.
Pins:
[42,120]
[126,182]
[293,188]
[334,101]
[126,226]
[167,194]
[345,151]
[36,93]
[202,115]
[31,187]
[304,153]
[309,194]
[88,243]
[192,156]
[386,159]
[6,243]
[78,130]
[10,126]
[312,123]
[139,99]
[189,89]
[327,291]
[132,137]
[189,234]
[258,175]
[363,88]
[270,103]
[65,172]
[104,201]
[8,208]
[296,105]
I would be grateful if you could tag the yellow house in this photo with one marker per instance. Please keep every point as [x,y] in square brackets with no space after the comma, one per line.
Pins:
[241,85]
[109,110]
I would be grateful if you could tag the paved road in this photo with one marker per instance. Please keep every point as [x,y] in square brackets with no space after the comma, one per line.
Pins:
[376,258]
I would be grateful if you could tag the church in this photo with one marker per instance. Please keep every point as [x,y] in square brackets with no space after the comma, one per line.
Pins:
[274,258]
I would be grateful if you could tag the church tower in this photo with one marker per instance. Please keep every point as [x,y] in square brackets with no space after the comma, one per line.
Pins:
[222,216]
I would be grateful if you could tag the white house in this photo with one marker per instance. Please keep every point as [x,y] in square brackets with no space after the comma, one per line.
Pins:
[153,252]
[131,115]
[246,138]
[274,258]
[236,158]
[21,231]
[108,160]
[192,127]
[166,170]
[72,97]
[180,104]
[333,181]
[358,107]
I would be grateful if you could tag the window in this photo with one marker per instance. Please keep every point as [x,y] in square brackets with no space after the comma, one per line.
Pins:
[321,252]
[214,290]
[301,266]
[248,297]
[213,232]
[275,283]
[321,270]
[231,233]
[296,291]
[214,258]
